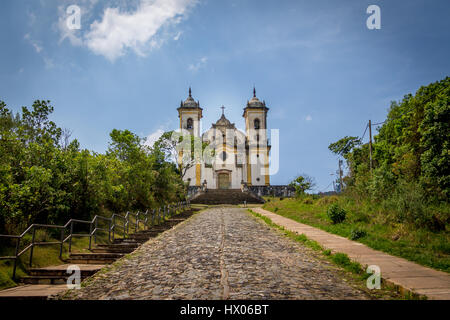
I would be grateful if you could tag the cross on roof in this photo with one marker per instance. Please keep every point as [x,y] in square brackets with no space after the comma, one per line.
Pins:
[223,110]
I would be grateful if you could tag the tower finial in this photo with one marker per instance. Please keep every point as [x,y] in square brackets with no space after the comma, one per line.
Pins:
[254,91]
[190,92]
[223,110]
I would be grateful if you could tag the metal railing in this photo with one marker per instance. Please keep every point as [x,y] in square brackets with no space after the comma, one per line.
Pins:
[155,218]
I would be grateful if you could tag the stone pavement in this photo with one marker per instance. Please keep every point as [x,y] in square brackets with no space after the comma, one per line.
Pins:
[404,274]
[220,253]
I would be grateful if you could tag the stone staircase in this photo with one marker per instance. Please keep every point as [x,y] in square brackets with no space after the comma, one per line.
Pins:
[226,196]
[41,282]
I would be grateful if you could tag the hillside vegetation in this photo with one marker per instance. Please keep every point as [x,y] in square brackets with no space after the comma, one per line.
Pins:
[400,204]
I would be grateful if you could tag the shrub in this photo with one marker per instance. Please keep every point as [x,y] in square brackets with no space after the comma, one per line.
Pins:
[336,214]
[276,209]
[356,234]
[308,201]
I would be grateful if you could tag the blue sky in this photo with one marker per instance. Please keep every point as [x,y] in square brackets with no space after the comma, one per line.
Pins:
[321,71]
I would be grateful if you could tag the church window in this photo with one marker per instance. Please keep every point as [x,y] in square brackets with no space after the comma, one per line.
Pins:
[224,156]
[190,123]
[257,124]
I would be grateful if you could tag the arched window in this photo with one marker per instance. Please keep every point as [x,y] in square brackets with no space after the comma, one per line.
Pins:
[190,123]
[257,124]
[224,156]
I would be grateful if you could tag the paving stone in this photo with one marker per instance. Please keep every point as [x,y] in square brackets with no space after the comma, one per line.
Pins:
[220,253]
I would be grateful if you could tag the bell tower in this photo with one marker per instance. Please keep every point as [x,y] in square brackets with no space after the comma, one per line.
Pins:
[255,115]
[190,114]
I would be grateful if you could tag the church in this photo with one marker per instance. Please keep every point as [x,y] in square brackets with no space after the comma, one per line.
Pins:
[239,159]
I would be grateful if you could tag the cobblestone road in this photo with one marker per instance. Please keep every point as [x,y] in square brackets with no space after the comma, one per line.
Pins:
[220,253]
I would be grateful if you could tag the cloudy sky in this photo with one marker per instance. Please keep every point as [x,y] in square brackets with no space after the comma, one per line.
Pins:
[321,71]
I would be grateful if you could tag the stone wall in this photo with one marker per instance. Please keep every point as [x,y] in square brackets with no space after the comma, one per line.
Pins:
[276,191]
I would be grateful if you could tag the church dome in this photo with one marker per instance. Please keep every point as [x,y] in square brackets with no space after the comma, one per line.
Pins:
[223,121]
[190,102]
[255,102]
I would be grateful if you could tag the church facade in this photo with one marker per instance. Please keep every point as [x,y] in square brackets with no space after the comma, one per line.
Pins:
[233,159]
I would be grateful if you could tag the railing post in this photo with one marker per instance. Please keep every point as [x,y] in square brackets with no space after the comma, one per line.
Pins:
[153,216]
[113,218]
[136,227]
[32,245]
[95,229]
[90,235]
[146,219]
[70,239]
[125,224]
[16,257]
[109,231]
[62,243]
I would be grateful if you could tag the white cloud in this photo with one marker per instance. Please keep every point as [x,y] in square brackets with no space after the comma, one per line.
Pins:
[308,118]
[119,31]
[197,66]
[177,36]
[153,137]
[34,43]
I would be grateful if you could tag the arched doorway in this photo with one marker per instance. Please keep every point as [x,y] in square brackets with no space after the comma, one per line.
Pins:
[224,180]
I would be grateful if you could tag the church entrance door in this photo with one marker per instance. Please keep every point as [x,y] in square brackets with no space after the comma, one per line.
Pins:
[224,180]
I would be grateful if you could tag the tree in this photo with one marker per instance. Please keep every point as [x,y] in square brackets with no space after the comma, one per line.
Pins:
[344,146]
[184,149]
[302,183]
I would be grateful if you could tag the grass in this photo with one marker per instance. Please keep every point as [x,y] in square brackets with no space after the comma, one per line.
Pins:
[352,268]
[372,228]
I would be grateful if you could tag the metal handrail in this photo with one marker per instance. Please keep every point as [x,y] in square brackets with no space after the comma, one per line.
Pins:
[93,228]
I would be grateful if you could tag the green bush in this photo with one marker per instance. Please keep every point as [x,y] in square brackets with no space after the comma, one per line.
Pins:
[357,233]
[336,214]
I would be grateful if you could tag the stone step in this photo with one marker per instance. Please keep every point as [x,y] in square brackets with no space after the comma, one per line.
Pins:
[32,292]
[91,261]
[46,279]
[105,255]
[129,241]
[119,245]
[94,258]
[61,270]
[113,250]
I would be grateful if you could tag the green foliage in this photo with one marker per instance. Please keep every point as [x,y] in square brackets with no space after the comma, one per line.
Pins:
[186,149]
[341,259]
[411,159]
[302,183]
[46,179]
[384,231]
[344,146]
[335,213]
[357,233]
